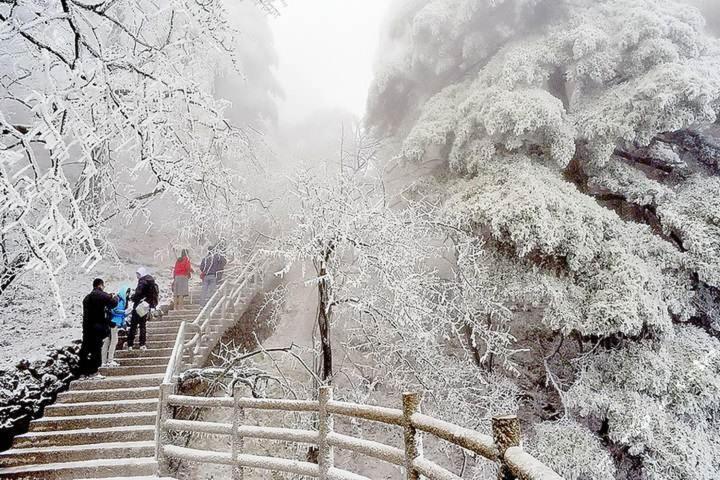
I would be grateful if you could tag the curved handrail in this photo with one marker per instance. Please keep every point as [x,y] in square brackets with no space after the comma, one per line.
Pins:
[227,292]
[175,362]
[200,328]
[255,461]
[515,459]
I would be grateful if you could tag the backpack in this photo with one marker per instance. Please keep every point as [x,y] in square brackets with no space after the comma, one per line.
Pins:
[153,296]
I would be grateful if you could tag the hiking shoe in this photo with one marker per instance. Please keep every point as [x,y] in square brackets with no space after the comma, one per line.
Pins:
[130,349]
[143,347]
[113,364]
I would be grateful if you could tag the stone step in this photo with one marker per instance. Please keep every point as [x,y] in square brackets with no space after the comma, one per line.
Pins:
[78,422]
[133,433]
[194,309]
[184,312]
[132,478]
[165,337]
[184,315]
[74,453]
[137,353]
[132,370]
[165,323]
[132,467]
[154,343]
[140,361]
[132,381]
[162,330]
[101,407]
[79,396]
[172,321]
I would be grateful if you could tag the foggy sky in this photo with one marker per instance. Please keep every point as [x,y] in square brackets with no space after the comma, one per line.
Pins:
[326,50]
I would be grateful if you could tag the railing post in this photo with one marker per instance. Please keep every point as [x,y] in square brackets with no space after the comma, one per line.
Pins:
[413,439]
[326,456]
[161,435]
[238,442]
[506,434]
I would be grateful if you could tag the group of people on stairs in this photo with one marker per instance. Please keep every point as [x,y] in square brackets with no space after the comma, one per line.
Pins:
[212,267]
[104,314]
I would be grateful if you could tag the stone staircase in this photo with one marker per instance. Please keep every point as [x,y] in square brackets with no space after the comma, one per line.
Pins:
[102,428]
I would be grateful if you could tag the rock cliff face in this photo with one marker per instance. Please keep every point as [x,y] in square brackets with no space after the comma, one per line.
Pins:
[28,388]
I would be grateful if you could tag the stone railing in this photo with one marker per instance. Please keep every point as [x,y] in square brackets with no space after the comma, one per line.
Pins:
[504,447]
[219,313]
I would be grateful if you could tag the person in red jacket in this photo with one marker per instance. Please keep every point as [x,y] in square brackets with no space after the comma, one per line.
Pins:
[181,277]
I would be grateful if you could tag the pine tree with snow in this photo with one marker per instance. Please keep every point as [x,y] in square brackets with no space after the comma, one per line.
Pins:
[577,146]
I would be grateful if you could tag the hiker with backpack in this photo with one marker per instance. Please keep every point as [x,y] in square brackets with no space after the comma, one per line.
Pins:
[95,327]
[145,299]
[117,316]
[211,271]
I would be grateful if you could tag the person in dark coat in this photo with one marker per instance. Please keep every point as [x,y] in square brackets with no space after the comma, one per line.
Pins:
[212,268]
[96,326]
[146,292]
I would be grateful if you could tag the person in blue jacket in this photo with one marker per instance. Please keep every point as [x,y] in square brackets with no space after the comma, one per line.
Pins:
[117,321]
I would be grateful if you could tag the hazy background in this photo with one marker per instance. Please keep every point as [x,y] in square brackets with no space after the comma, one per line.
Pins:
[326,50]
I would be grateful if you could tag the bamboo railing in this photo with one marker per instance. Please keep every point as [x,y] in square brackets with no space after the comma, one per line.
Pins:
[503,447]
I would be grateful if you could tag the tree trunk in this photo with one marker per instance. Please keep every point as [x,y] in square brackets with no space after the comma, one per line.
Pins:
[324,318]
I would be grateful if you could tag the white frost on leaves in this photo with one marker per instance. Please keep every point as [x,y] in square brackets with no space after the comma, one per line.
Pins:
[695,217]
[96,134]
[620,178]
[622,72]
[610,283]
[656,398]
[525,100]
[571,448]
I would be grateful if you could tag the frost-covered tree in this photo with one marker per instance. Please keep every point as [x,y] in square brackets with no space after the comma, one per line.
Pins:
[391,314]
[95,95]
[577,144]
[250,84]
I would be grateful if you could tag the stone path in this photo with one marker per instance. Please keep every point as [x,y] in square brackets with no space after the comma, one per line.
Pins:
[102,428]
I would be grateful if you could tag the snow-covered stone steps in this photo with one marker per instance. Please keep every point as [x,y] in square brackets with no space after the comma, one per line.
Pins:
[102,407]
[138,361]
[151,331]
[132,433]
[100,395]
[131,381]
[155,343]
[165,323]
[102,428]
[132,478]
[77,422]
[162,330]
[150,352]
[183,314]
[76,453]
[165,337]
[132,370]
[104,468]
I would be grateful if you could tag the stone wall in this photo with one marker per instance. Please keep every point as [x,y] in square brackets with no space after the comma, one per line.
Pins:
[28,388]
